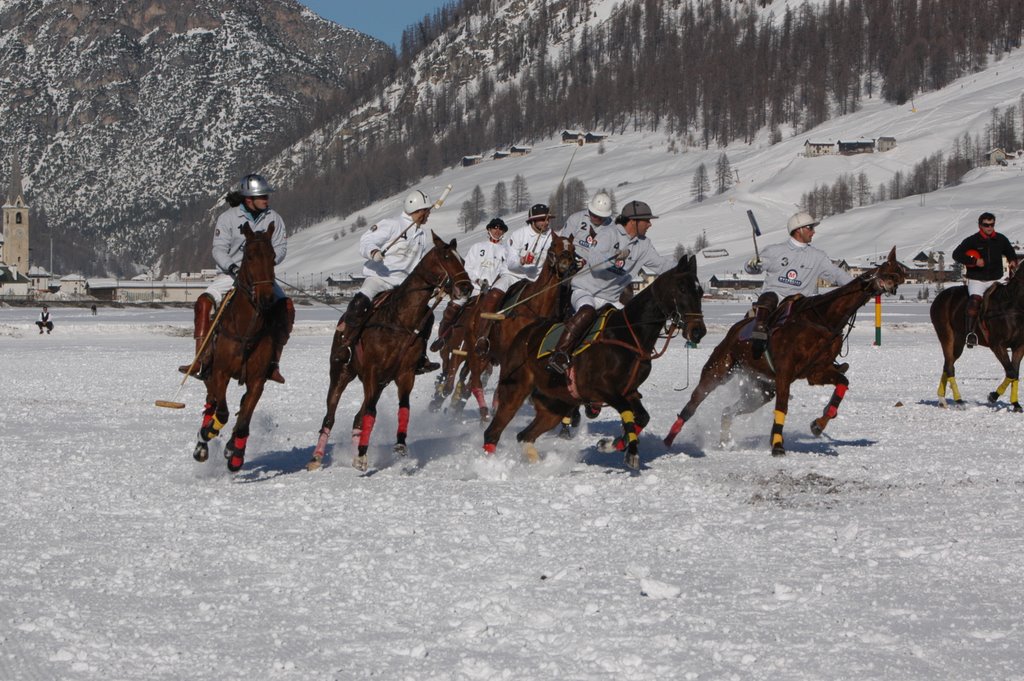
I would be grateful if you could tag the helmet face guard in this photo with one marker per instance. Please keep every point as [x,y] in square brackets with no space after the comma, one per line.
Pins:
[254,185]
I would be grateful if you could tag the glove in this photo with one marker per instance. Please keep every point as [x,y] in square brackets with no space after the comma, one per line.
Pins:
[233,271]
[753,266]
[622,254]
[377,256]
[526,259]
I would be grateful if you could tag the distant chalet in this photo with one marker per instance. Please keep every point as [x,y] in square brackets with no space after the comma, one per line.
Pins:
[860,145]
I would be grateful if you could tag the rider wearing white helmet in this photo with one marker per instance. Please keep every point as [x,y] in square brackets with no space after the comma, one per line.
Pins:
[393,247]
[249,205]
[790,267]
[585,224]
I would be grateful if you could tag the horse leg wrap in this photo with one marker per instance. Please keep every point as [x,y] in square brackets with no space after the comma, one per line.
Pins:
[1013,391]
[403,423]
[238,444]
[955,388]
[943,382]
[481,400]
[780,419]
[630,428]
[364,436]
[1003,386]
[833,404]
[321,443]
[674,430]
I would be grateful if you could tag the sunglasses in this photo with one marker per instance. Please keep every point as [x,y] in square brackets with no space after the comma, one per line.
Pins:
[987,224]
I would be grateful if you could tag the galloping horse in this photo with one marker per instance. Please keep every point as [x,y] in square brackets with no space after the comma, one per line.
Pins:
[389,347]
[610,371]
[804,346]
[534,300]
[243,347]
[1001,327]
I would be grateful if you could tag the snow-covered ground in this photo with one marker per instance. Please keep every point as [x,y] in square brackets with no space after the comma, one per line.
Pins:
[890,548]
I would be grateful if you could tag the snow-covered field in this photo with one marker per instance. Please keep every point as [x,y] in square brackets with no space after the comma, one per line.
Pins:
[890,548]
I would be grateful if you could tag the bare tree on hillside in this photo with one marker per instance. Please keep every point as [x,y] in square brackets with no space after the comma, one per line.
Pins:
[499,199]
[520,194]
[700,185]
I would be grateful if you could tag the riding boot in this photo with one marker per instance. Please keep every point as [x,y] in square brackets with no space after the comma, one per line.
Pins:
[203,310]
[973,308]
[444,329]
[575,327]
[425,366]
[352,322]
[763,309]
[284,320]
[489,303]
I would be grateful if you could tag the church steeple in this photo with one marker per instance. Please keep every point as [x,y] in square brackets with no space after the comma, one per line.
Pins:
[15,224]
[15,191]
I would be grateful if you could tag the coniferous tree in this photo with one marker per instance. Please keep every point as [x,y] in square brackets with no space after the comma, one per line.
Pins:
[723,174]
[520,194]
[700,185]
[499,199]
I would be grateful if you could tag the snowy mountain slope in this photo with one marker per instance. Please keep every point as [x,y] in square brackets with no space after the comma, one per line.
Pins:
[772,179]
[124,112]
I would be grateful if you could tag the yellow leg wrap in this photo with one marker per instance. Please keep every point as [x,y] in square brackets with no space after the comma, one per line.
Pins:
[628,422]
[217,425]
[1013,390]
[942,384]
[1003,386]
[566,421]
[780,419]
[955,388]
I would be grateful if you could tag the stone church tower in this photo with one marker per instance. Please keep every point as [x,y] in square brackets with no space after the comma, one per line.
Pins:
[15,225]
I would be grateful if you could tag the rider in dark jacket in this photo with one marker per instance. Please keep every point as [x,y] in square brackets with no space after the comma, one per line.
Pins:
[982,255]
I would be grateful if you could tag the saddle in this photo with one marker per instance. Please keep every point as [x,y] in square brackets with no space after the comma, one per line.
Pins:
[776,319]
[551,338]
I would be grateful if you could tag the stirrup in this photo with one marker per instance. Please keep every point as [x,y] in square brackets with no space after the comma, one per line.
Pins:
[198,370]
[437,344]
[426,366]
[971,340]
[559,363]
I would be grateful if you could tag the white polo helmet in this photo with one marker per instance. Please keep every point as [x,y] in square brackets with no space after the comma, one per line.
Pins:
[254,185]
[600,205]
[801,219]
[416,201]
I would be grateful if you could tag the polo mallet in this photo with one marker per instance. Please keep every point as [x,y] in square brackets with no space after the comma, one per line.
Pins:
[437,204]
[757,233]
[500,314]
[579,143]
[174,404]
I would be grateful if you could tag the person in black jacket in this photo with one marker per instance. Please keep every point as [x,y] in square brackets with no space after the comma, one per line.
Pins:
[44,321]
[982,256]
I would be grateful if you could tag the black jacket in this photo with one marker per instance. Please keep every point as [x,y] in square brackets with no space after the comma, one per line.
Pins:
[992,251]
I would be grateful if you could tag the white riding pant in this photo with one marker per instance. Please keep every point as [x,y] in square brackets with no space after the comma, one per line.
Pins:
[977,287]
[220,286]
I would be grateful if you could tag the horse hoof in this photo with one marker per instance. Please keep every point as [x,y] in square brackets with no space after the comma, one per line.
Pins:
[1017,408]
[592,411]
[778,450]
[202,452]
[435,404]
[531,453]
[632,461]
[993,397]
[360,463]
[315,464]
[400,450]
[817,428]
[960,404]
[565,433]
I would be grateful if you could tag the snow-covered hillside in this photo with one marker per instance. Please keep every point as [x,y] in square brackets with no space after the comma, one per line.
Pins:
[772,180]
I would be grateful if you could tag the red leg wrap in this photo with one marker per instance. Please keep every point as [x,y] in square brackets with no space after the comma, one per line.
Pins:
[364,436]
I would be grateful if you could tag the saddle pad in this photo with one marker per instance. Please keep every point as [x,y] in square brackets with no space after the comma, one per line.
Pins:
[777,319]
[554,334]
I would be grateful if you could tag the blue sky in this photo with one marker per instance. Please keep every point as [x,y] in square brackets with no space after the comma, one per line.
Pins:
[383,19]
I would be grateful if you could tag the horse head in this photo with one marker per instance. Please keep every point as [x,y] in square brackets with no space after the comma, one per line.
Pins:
[256,273]
[445,269]
[561,257]
[887,277]
[679,295]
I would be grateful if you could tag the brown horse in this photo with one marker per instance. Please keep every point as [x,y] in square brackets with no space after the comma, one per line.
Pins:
[804,346]
[243,347]
[389,347]
[610,371]
[1000,329]
[533,300]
